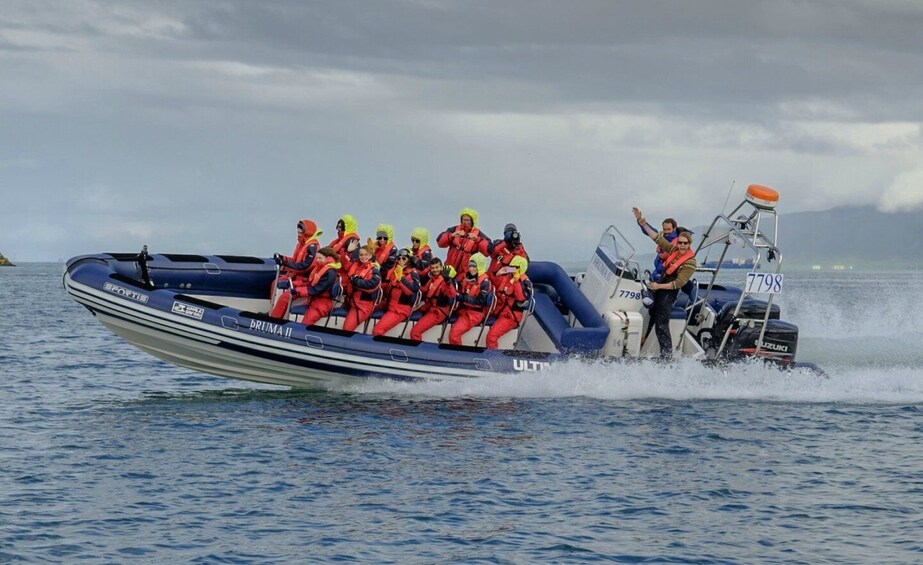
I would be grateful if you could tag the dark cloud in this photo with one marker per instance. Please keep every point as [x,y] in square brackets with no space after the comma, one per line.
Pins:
[196,125]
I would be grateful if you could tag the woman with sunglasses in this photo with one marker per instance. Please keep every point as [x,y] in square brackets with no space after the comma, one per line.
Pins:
[422,253]
[404,285]
[383,246]
[678,268]
[363,288]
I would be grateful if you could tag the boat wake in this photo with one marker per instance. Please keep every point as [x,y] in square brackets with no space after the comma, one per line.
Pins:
[683,380]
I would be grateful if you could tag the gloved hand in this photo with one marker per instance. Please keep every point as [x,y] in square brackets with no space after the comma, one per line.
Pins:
[277,257]
[516,275]
[371,243]
[398,272]
[445,275]
[451,271]
[283,284]
[296,291]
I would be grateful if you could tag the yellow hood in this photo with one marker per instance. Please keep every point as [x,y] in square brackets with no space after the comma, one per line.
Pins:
[520,263]
[480,261]
[388,229]
[350,224]
[469,212]
[422,234]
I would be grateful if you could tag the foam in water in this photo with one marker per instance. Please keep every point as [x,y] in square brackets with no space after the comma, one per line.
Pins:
[683,380]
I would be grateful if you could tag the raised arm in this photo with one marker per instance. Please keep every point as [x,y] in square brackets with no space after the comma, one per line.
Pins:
[651,232]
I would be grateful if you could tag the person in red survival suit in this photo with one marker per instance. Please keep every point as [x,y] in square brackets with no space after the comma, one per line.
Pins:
[472,298]
[422,253]
[384,249]
[404,285]
[513,293]
[320,287]
[462,241]
[502,252]
[438,297]
[365,284]
[297,268]
[346,243]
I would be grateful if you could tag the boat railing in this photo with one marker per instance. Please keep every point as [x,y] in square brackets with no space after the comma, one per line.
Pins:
[744,231]
[614,243]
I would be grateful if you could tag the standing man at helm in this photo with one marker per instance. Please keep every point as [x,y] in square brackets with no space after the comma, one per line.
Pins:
[463,240]
[678,268]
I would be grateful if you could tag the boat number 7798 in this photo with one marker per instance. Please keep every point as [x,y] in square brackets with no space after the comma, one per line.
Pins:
[766,283]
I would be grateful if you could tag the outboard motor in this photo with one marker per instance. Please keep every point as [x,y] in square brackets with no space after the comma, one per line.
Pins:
[780,339]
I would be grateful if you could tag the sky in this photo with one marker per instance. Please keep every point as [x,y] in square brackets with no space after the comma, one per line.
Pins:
[213,126]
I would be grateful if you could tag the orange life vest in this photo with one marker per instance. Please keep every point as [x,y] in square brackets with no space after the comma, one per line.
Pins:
[675,260]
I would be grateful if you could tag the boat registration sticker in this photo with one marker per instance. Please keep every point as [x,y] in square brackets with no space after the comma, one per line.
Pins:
[188,310]
[764,283]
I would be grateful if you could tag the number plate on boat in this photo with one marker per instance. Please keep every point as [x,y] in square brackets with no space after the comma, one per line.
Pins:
[766,283]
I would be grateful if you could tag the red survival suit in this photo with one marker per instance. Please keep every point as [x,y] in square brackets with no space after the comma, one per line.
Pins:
[318,291]
[501,254]
[472,301]
[511,303]
[364,284]
[438,296]
[346,234]
[404,284]
[296,269]
[463,240]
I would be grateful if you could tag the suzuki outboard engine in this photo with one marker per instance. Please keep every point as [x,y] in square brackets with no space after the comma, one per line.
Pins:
[780,340]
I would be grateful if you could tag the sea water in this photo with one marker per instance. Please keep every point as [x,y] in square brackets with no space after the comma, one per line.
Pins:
[108,455]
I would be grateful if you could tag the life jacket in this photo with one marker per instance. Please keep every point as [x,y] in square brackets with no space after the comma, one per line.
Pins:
[339,244]
[434,293]
[318,272]
[301,253]
[422,251]
[397,287]
[502,257]
[383,253]
[363,271]
[472,289]
[506,291]
[673,262]
[461,248]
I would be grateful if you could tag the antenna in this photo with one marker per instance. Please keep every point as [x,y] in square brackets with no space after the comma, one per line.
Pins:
[728,197]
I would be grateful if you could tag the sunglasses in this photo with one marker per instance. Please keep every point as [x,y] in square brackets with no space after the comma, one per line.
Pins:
[403,258]
[414,240]
[381,239]
[681,242]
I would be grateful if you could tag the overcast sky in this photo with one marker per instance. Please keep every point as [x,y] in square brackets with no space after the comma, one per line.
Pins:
[213,126]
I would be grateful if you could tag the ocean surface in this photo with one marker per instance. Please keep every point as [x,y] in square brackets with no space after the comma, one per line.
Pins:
[108,455]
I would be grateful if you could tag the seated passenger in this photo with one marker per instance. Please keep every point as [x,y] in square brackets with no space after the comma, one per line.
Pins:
[346,243]
[364,285]
[320,286]
[422,254]
[513,293]
[404,283]
[438,296]
[472,298]
[502,251]
[462,241]
[297,268]
[384,249]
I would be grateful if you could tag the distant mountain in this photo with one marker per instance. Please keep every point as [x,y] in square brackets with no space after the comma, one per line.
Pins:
[852,235]
[858,236]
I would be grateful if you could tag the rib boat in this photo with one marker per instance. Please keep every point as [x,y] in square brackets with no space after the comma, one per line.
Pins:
[209,313]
